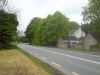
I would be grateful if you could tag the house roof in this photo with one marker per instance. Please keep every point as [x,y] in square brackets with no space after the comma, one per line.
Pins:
[77,33]
[71,32]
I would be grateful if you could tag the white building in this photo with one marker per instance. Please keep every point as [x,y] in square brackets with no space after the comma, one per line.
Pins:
[77,33]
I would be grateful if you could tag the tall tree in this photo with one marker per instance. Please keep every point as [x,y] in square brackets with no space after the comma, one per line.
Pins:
[47,31]
[8,27]
[57,27]
[91,15]
[73,25]
[32,31]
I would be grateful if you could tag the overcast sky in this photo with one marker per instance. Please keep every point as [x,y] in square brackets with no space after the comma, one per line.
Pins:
[41,8]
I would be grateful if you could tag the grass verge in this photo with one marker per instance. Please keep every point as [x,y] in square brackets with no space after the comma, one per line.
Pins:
[49,69]
[14,62]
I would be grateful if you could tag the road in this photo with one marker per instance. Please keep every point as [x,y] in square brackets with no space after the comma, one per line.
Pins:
[69,62]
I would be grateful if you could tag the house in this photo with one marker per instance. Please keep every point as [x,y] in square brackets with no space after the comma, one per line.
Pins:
[77,33]
[72,40]
[62,43]
[90,40]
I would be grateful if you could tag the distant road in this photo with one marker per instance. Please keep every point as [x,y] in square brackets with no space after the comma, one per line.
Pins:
[72,63]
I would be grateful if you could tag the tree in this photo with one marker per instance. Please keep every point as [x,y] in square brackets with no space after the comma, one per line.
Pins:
[73,25]
[57,27]
[32,31]
[91,15]
[23,39]
[85,28]
[47,31]
[8,27]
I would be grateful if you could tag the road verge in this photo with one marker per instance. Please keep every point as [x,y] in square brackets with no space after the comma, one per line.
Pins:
[48,68]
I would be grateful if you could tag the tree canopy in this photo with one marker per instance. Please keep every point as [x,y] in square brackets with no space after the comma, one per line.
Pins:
[91,16]
[8,27]
[46,31]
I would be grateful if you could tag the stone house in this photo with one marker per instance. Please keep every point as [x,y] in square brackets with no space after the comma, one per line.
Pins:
[72,40]
[90,40]
[69,42]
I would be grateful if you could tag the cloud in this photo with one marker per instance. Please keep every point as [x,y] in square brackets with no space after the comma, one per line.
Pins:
[41,8]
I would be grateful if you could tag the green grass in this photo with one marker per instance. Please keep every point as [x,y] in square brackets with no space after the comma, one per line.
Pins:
[9,46]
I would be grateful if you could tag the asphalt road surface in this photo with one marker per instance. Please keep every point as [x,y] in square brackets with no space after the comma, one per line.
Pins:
[71,63]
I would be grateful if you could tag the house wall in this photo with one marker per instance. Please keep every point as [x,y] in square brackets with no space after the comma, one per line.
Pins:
[89,41]
[62,43]
[67,44]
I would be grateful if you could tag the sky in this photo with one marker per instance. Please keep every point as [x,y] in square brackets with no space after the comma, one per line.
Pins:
[28,9]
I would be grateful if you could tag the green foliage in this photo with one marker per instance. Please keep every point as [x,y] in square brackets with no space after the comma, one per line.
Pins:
[8,27]
[85,28]
[32,32]
[73,25]
[23,39]
[47,31]
[91,15]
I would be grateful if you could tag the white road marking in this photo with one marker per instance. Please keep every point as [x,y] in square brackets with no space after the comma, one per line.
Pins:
[74,73]
[70,56]
[44,58]
[75,52]
[69,51]
[55,64]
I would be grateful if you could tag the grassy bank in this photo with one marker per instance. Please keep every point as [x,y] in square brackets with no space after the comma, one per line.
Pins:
[49,69]
[14,62]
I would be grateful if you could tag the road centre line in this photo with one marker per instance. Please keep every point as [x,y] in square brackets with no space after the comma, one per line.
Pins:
[69,56]
[75,52]
[69,51]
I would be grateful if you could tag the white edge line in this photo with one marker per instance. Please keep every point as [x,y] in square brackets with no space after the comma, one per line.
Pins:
[55,64]
[74,73]
[70,56]
[70,51]
[75,52]
[44,58]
